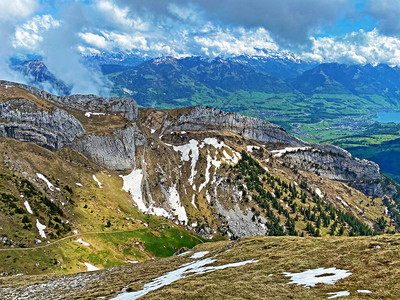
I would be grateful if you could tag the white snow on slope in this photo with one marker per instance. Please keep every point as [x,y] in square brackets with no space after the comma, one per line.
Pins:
[186,270]
[88,114]
[188,151]
[199,254]
[193,203]
[343,202]
[133,185]
[98,181]
[28,207]
[158,211]
[309,278]
[338,294]
[319,193]
[207,174]
[251,148]
[79,184]
[175,204]
[41,229]
[364,291]
[280,152]
[90,267]
[213,142]
[49,184]
[80,241]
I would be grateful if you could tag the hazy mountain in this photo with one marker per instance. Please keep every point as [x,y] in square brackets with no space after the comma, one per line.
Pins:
[38,75]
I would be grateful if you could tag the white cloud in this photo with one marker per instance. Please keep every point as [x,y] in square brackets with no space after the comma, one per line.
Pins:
[128,42]
[95,40]
[112,40]
[216,41]
[357,47]
[29,35]
[120,16]
[16,9]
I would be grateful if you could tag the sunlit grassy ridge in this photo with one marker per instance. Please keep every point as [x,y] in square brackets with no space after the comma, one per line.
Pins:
[373,261]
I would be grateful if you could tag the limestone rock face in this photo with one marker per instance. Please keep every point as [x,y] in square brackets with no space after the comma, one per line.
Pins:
[334,166]
[115,152]
[126,106]
[204,118]
[49,129]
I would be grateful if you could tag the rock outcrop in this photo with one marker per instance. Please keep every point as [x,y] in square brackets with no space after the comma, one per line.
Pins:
[49,129]
[205,118]
[116,152]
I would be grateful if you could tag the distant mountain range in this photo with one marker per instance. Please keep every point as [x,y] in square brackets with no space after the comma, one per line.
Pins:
[328,102]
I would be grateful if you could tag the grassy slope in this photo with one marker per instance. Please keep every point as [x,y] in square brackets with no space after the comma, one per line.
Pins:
[373,261]
[120,231]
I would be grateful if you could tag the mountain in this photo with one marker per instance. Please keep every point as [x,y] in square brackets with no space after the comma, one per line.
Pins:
[282,67]
[169,82]
[118,58]
[91,181]
[378,84]
[329,103]
[112,62]
[38,75]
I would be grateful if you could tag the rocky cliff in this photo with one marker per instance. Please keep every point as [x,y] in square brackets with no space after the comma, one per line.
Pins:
[183,164]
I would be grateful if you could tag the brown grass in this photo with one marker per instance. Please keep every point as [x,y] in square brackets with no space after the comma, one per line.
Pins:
[377,270]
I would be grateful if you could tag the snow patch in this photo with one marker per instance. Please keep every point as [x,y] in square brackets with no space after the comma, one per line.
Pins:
[78,184]
[364,291]
[279,153]
[90,267]
[88,114]
[152,131]
[28,207]
[159,211]
[342,201]
[309,278]
[207,174]
[319,193]
[49,184]
[133,185]
[189,269]
[132,261]
[214,142]
[188,151]
[175,204]
[199,254]
[193,203]
[41,229]
[98,182]
[338,294]
[251,148]
[80,241]
[185,253]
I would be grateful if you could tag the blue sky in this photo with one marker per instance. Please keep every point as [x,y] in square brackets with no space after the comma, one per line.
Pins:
[321,30]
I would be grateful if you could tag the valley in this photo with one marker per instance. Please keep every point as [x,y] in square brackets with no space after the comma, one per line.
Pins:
[326,103]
